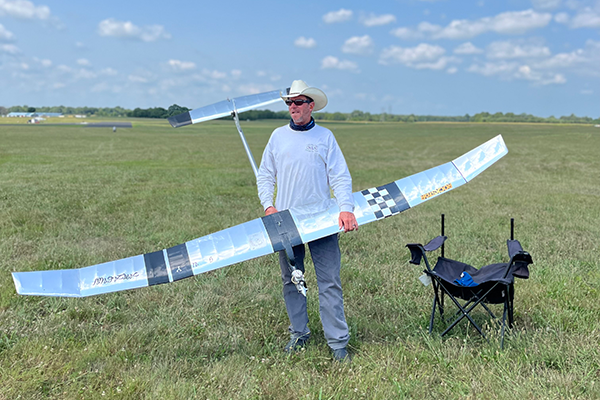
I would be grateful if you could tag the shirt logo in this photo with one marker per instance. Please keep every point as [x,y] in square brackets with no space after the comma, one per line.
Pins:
[312,148]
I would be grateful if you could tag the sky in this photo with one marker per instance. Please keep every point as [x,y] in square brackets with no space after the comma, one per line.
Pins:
[423,57]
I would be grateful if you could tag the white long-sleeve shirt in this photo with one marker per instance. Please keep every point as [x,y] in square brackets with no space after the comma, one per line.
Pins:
[304,165]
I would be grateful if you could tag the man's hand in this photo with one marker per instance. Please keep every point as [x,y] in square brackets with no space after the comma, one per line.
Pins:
[347,221]
[270,210]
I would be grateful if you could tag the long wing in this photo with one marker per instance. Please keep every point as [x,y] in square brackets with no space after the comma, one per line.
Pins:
[260,236]
[225,108]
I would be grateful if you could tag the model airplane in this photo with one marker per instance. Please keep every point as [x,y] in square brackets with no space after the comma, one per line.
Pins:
[260,236]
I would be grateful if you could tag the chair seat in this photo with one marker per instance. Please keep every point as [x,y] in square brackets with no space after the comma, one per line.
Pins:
[451,270]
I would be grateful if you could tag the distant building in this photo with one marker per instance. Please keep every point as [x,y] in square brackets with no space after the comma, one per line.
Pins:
[33,114]
[21,115]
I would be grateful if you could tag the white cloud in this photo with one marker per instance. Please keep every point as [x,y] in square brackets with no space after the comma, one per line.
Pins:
[588,18]
[137,79]
[519,22]
[513,70]
[510,49]
[377,20]
[236,73]
[341,15]
[84,62]
[439,64]
[563,60]
[23,9]
[109,71]
[106,87]
[85,74]
[490,68]
[64,69]
[44,62]
[510,23]
[361,45]
[452,70]
[306,43]
[546,4]
[586,91]
[150,33]
[214,74]
[557,79]
[562,18]
[406,33]
[331,62]
[178,65]
[5,34]
[10,49]
[467,48]
[410,56]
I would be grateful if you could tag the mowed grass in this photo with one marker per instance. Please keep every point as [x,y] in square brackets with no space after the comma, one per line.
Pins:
[72,197]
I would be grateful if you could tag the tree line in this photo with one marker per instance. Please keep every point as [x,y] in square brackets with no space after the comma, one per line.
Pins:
[356,115]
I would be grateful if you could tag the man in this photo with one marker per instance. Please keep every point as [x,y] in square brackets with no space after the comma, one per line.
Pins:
[305,161]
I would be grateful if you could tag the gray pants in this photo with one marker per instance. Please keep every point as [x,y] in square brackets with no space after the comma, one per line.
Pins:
[326,257]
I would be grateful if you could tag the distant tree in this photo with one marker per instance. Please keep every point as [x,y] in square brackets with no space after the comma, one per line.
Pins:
[3,110]
[31,109]
[176,110]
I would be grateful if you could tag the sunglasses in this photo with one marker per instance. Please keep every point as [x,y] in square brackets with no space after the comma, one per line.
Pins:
[297,102]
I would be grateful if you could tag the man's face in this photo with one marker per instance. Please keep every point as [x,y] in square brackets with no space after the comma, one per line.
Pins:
[301,114]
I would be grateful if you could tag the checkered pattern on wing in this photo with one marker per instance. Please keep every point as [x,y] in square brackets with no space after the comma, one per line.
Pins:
[381,202]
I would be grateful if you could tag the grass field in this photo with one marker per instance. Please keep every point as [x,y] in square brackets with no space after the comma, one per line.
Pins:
[73,196]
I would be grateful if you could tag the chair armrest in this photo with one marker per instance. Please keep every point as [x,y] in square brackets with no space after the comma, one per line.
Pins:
[435,243]
[513,247]
[519,260]
[417,250]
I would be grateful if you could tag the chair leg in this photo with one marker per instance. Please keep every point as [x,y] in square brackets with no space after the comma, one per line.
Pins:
[435,300]
[506,307]
[465,313]
[511,317]
[441,305]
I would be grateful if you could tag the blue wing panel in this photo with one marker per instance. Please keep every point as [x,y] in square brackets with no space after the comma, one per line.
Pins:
[128,273]
[229,246]
[425,185]
[61,282]
[477,160]
[250,102]
[213,111]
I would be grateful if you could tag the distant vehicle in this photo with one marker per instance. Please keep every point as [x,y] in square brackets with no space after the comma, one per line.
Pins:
[36,120]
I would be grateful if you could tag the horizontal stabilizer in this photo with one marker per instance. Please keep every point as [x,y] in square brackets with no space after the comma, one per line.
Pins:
[225,108]
[260,236]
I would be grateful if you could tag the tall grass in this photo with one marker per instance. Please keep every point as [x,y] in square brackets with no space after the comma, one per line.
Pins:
[73,196]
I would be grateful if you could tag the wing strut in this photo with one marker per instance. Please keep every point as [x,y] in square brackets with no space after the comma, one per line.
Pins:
[234,114]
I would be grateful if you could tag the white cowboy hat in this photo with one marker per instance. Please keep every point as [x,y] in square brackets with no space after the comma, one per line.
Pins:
[300,88]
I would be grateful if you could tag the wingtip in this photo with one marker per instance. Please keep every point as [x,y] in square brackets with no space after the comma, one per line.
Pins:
[179,120]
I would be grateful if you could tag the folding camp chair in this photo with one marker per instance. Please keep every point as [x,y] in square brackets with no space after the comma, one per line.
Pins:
[491,284]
